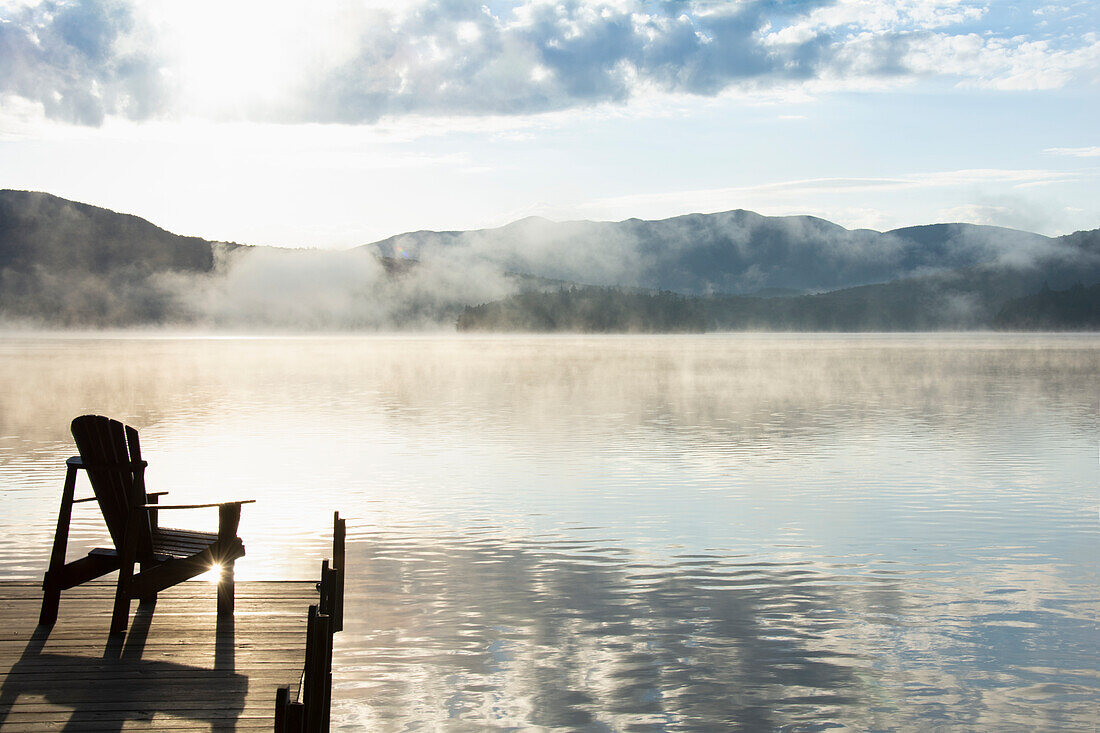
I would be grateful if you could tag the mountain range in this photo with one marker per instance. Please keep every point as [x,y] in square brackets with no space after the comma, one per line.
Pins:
[733,252]
[69,264]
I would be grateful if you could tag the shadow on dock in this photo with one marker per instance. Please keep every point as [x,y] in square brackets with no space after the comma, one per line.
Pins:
[185,670]
[88,685]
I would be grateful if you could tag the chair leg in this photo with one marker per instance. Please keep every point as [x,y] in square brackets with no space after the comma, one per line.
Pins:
[121,614]
[51,599]
[229,516]
[51,584]
[225,590]
[149,597]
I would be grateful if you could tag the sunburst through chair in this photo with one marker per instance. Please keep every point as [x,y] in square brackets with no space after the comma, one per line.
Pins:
[110,453]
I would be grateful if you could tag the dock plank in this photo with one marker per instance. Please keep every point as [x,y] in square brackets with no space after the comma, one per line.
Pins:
[178,668]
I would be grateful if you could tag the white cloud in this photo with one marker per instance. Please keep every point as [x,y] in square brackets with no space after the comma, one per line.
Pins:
[909,198]
[1086,152]
[352,63]
[812,186]
[80,62]
[1011,210]
[886,16]
[1015,64]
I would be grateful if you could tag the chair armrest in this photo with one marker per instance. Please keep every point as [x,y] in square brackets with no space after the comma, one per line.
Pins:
[197,506]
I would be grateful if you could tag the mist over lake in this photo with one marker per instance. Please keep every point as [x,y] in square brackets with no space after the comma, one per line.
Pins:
[719,532]
[64,264]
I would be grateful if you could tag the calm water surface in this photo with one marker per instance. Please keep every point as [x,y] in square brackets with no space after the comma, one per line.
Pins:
[630,533]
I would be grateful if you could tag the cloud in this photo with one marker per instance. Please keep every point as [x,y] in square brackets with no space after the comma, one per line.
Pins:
[716,199]
[1014,213]
[1014,64]
[889,17]
[458,58]
[297,63]
[1093,152]
[882,202]
[81,61]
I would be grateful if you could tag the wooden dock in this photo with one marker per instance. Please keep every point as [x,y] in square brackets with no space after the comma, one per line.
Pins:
[177,668]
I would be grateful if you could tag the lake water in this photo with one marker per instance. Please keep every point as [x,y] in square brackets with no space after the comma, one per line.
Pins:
[722,532]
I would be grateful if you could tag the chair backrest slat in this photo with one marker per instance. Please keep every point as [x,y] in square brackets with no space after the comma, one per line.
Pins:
[109,448]
[137,484]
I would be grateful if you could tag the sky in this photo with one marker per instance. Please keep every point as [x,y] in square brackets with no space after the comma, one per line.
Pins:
[335,124]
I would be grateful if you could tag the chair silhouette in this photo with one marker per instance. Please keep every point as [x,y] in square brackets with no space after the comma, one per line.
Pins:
[110,453]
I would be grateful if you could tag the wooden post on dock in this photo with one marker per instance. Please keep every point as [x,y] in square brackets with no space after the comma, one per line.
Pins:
[311,712]
[339,533]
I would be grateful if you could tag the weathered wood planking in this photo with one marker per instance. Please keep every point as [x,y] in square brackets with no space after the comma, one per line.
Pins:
[178,668]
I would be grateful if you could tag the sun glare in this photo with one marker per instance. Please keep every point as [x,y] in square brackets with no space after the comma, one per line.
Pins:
[239,60]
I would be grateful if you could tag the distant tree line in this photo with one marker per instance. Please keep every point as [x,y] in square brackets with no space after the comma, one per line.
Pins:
[932,303]
[590,310]
[1074,309]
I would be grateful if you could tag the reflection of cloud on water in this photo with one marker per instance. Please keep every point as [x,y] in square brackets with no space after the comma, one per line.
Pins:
[481,631]
[508,634]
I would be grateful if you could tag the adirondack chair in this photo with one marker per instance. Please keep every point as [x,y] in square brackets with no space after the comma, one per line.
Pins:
[110,453]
